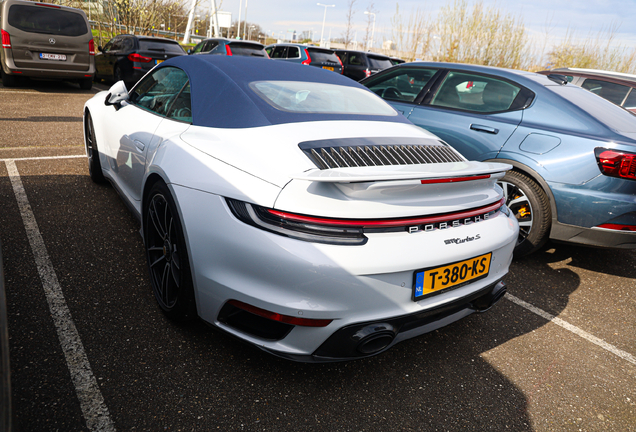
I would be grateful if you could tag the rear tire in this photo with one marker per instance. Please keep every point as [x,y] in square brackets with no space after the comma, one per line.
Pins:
[86,84]
[531,206]
[8,80]
[117,74]
[167,255]
[94,166]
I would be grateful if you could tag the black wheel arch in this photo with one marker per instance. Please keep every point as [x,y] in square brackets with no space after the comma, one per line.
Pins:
[524,169]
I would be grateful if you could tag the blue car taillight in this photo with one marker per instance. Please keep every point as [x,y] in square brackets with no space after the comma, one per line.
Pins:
[616,163]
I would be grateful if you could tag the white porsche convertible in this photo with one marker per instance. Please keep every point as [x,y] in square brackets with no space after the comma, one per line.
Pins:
[296,210]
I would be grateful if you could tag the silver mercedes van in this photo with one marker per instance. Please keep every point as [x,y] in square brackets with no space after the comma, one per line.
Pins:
[44,40]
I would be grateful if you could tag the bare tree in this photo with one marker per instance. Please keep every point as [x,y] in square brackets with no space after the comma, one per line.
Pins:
[411,39]
[370,18]
[348,33]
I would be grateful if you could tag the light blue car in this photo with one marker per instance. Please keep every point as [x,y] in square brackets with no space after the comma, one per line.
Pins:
[573,153]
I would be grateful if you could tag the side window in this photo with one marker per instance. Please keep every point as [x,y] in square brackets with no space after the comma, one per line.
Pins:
[127,44]
[279,52]
[356,60]
[293,52]
[476,93]
[116,46]
[210,45]
[402,84]
[269,50]
[343,57]
[630,101]
[159,89]
[181,108]
[197,49]
[612,92]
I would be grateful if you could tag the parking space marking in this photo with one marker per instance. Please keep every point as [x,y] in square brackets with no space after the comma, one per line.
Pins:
[574,329]
[43,158]
[90,397]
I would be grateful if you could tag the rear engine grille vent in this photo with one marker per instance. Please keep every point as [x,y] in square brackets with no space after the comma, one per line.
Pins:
[377,155]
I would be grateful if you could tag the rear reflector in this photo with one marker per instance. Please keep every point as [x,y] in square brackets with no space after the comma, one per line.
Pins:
[6,40]
[618,227]
[304,322]
[616,163]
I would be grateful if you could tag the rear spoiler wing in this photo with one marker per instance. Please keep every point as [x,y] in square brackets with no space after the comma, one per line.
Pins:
[426,173]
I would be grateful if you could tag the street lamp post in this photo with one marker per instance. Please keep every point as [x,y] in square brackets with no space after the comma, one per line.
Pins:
[322,32]
[370,42]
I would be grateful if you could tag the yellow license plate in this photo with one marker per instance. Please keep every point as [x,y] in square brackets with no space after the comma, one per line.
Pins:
[328,68]
[440,278]
[159,61]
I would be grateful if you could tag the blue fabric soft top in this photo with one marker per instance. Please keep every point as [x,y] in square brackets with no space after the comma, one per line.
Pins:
[222,98]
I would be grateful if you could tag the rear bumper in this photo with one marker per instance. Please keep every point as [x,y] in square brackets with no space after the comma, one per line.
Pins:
[369,338]
[9,68]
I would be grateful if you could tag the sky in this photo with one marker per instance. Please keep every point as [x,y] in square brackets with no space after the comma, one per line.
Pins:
[584,18]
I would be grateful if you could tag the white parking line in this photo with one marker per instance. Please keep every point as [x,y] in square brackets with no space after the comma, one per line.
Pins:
[90,397]
[574,329]
[43,158]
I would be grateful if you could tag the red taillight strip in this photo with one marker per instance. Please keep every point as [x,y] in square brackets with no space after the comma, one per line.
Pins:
[618,227]
[389,222]
[228,50]
[308,61]
[6,40]
[455,179]
[305,322]
[48,5]
[138,58]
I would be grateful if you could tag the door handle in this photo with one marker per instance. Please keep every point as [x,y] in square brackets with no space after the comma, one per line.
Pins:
[141,146]
[487,129]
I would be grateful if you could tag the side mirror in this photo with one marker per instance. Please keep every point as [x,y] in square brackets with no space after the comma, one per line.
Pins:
[190,51]
[100,48]
[116,94]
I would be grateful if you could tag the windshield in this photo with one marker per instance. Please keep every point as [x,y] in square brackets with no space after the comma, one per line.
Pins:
[312,97]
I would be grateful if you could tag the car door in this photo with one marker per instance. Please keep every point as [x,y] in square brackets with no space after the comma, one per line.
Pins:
[134,126]
[100,58]
[474,113]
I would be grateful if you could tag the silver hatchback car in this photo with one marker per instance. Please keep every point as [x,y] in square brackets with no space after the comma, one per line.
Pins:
[44,40]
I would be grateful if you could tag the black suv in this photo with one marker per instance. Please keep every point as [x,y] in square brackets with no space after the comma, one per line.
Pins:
[359,64]
[128,57]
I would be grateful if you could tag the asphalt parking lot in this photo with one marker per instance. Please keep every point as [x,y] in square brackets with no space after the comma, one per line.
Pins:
[90,350]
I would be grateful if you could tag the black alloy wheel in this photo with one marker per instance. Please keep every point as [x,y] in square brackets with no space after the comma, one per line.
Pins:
[94,166]
[167,255]
[531,206]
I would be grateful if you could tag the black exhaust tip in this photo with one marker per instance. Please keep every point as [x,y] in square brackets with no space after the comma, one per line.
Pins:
[374,338]
[488,300]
